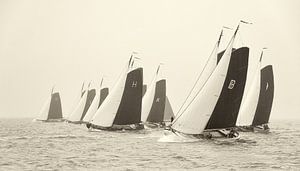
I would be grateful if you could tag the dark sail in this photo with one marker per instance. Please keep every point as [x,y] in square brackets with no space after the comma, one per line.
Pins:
[55,110]
[156,113]
[144,89]
[103,94]
[227,108]
[90,97]
[129,111]
[266,94]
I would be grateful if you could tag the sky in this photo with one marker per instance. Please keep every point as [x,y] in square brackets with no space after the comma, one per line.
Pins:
[66,42]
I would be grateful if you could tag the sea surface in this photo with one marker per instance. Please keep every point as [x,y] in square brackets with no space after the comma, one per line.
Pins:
[28,145]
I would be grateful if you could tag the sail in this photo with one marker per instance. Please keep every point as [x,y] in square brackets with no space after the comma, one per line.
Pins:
[168,113]
[43,114]
[100,95]
[265,100]
[196,115]
[228,105]
[90,97]
[144,89]
[77,113]
[55,109]
[122,100]
[156,113]
[250,100]
[204,75]
[129,111]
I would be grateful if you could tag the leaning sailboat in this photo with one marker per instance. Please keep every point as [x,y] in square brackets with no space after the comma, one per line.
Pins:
[193,119]
[156,108]
[52,109]
[257,105]
[121,110]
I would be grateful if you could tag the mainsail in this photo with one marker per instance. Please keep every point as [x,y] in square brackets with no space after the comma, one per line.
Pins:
[123,104]
[195,116]
[228,105]
[266,95]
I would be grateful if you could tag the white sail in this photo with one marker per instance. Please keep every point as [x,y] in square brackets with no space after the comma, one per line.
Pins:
[205,74]
[195,117]
[168,113]
[43,115]
[77,113]
[250,101]
[147,101]
[93,108]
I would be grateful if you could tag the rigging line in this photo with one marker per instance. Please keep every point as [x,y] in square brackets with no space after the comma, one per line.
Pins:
[232,39]
[198,78]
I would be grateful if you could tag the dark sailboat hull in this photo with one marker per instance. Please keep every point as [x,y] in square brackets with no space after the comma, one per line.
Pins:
[227,108]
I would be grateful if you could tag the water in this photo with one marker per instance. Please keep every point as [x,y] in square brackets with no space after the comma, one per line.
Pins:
[27,145]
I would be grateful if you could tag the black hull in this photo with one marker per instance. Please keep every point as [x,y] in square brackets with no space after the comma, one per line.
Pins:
[131,127]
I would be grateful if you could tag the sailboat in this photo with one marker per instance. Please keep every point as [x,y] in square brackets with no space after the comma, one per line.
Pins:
[224,116]
[192,121]
[52,110]
[156,108]
[86,100]
[121,110]
[257,105]
[100,96]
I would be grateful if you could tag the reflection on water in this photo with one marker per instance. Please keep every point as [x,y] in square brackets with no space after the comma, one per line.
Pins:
[27,145]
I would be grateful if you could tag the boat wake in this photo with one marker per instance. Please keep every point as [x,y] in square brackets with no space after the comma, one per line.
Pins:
[172,137]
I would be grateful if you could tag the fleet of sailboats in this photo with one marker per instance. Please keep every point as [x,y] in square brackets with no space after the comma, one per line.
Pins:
[218,105]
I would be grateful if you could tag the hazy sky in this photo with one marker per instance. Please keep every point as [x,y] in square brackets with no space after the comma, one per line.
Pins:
[66,42]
